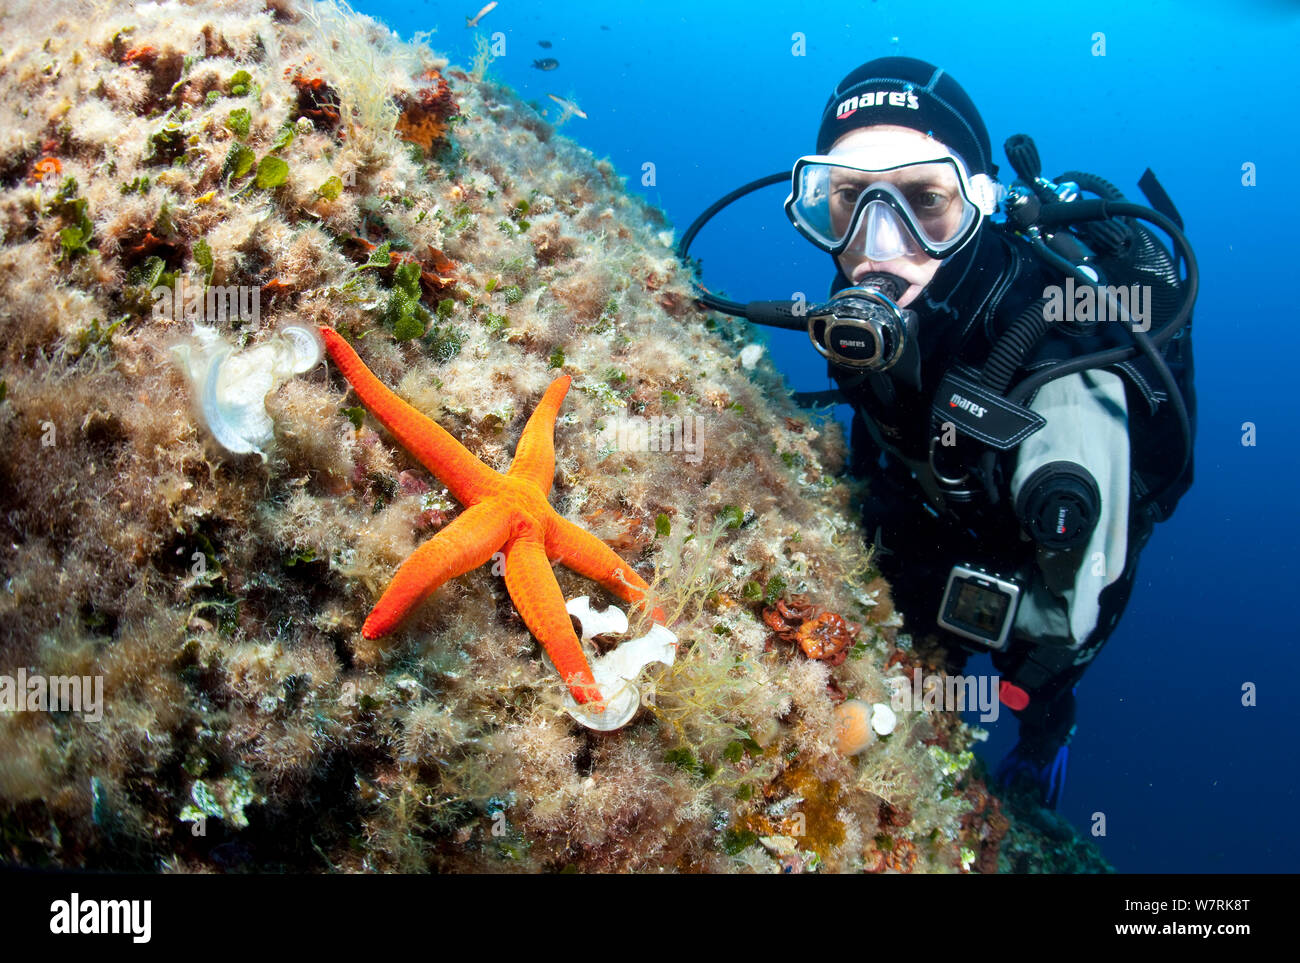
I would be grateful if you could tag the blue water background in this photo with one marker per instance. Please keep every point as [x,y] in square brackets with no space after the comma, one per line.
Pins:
[712,95]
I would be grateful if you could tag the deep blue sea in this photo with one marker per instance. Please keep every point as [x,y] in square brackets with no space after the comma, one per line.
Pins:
[716,94]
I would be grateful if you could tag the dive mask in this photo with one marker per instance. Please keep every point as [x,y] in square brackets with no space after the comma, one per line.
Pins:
[862,203]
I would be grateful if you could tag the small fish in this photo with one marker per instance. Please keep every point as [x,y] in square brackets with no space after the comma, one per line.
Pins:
[544,44]
[473,21]
[549,63]
[603,27]
[569,106]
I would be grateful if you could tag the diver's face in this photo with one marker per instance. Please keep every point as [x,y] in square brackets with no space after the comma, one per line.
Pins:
[932,191]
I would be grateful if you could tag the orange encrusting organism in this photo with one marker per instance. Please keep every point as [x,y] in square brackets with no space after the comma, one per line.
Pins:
[507,512]
[44,168]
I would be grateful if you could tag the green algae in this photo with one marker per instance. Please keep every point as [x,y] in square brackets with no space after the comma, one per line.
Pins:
[74,237]
[271,172]
[240,121]
[239,161]
[332,189]
[239,83]
[284,138]
[202,253]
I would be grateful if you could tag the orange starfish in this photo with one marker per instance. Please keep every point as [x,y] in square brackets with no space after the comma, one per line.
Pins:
[509,511]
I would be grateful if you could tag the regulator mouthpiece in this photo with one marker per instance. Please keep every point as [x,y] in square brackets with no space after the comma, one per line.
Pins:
[863,327]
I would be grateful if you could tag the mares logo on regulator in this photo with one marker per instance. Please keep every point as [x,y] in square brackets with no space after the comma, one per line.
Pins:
[863,326]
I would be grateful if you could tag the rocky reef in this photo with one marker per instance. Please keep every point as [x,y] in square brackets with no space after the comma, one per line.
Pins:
[196,512]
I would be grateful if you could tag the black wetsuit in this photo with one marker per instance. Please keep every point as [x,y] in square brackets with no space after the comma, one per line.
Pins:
[973,298]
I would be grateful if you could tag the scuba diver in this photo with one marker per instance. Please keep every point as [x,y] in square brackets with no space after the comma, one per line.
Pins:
[1019,365]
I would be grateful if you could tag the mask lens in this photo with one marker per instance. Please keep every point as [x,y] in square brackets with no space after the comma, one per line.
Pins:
[810,207]
[940,210]
[928,200]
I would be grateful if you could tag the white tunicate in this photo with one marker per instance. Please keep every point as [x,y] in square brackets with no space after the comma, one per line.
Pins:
[883,719]
[616,672]
[749,355]
[230,387]
[612,621]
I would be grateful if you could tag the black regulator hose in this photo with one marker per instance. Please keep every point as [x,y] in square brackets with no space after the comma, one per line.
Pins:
[1091,182]
[1009,352]
[1030,326]
[1074,211]
[1107,238]
[1145,344]
[767,312]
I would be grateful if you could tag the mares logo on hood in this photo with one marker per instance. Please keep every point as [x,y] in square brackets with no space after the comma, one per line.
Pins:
[877,98]
[909,93]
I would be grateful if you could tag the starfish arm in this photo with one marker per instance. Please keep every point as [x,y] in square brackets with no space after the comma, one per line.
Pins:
[466,543]
[580,551]
[535,453]
[539,601]
[467,478]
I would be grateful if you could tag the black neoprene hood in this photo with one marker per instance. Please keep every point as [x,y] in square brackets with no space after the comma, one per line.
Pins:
[911,93]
